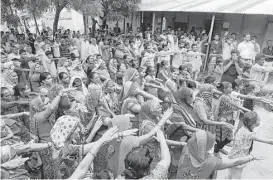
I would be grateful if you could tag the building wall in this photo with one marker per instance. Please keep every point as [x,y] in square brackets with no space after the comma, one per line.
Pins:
[239,24]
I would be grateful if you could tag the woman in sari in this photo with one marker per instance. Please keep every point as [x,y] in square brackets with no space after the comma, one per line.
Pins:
[184,122]
[111,95]
[149,116]
[196,162]
[67,131]
[203,108]
[34,78]
[225,113]
[81,91]
[42,114]
[45,82]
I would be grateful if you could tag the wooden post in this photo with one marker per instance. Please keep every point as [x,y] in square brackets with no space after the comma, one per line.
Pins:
[209,40]
[161,22]
[142,16]
[153,28]
[242,25]
[174,16]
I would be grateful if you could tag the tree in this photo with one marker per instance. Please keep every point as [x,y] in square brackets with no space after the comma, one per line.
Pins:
[91,8]
[7,12]
[115,10]
[36,8]
[59,5]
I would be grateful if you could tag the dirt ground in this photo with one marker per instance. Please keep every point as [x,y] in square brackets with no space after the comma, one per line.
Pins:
[258,169]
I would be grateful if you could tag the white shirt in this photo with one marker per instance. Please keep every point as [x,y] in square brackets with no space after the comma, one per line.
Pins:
[257,72]
[247,50]
[93,49]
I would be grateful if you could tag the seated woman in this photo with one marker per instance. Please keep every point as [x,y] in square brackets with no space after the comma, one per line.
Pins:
[197,162]
[81,91]
[111,91]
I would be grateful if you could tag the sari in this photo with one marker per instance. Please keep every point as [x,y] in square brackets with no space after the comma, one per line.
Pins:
[128,97]
[182,112]
[9,79]
[36,109]
[129,74]
[8,153]
[77,94]
[67,156]
[118,149]
[203,107]
[147,122]
[195,162]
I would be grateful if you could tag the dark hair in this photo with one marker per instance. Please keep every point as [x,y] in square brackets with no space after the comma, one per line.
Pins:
[125,56]
[21,51]
[236,82]
[43,76]
[246,34]
[137,163]
[148,69]
[235,51]
[210,79]
[72,55]
[61,75]
[193,45]
[18,88]
[48,53]
[104,174]
[246,67]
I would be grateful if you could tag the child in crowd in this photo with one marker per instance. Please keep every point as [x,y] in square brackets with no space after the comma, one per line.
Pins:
[243,142]
[219,69]
[195,58]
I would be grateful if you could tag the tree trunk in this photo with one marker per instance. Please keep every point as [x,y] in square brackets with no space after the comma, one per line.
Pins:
[94,22]
[56,20]
[124,26]
[85,23]
[36,24]
[104,23]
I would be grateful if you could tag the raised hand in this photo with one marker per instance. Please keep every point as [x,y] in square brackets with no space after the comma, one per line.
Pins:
[109,135]
[14,163]
[130,132]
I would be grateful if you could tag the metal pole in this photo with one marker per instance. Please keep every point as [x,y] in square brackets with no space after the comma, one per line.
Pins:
[209,40]
[153,28]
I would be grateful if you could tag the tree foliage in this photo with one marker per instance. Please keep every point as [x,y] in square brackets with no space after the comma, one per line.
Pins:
[115,10]
[7,12]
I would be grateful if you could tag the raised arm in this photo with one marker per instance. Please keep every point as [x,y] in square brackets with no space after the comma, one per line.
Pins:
[228,163]
[147,137]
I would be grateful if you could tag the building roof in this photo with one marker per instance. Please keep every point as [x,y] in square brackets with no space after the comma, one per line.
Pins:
[213,6]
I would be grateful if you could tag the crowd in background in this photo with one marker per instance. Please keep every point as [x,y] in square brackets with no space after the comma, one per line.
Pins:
[151,105]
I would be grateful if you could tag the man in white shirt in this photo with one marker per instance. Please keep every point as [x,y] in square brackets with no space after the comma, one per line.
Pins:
[84,48]
[259,72]
[93,47]
[247,49]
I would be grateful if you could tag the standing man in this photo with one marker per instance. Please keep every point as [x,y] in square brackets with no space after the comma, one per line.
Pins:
[268,53]
[247,49]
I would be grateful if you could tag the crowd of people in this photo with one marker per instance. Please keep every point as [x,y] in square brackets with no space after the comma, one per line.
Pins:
[130,106]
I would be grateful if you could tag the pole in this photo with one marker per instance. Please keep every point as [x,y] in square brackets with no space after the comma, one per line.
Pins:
[210,35]
[142,16]
[153,28]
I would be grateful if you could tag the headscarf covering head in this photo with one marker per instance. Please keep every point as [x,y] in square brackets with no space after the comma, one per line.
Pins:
[128,89]
[181,96]
[84,89]
[129,74]
[146,110]
[199,145]
[63,129]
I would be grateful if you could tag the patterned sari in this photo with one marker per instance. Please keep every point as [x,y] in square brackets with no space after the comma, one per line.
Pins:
[195,162]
